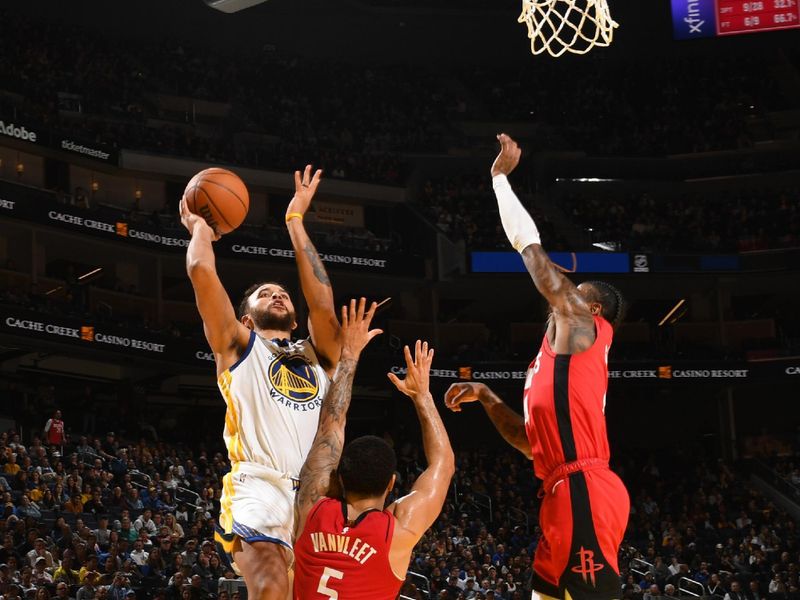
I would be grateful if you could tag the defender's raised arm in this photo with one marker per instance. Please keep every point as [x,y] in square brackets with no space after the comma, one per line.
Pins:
[323,324]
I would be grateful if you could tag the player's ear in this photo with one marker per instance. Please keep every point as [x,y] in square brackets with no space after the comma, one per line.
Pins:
[596,308]
[392,481]
[247,322]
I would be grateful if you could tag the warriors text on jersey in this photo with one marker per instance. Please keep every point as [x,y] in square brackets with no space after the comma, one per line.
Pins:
[273,396]
[335,559]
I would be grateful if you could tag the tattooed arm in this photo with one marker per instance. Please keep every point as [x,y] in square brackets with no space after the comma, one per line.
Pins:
[509,423]
[322,322]
[326,450]
[574,327]
[323,458]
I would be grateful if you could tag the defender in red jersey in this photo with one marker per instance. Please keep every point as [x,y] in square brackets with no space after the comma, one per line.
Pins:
[347,545]
[585,506]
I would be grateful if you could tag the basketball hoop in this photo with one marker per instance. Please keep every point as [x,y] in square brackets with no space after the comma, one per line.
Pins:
[558,26]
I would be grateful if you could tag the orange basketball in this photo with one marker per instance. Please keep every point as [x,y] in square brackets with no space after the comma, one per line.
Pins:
[220,197]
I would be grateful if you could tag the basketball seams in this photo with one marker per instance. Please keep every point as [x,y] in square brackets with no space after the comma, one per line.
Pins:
[218,176]
[227,189]
[217,210]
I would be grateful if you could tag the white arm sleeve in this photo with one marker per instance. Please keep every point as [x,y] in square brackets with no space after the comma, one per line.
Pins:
[517,222]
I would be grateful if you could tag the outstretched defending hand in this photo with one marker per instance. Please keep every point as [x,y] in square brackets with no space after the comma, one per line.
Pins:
[508,159]
[355,332]
[305,186]
[418,370]
[192,221]
[459,393]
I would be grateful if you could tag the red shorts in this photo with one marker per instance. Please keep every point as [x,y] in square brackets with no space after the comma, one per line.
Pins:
[583,519]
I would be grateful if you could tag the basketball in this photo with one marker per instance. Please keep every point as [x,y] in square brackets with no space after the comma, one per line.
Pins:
[220,197]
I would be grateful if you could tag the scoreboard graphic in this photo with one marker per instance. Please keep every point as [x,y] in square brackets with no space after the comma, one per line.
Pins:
[710,18]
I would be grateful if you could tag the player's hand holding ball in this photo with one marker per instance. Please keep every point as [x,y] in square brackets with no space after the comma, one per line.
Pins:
[305,186]
[217,196]
[355,332]
[508,158]
[192,222]
[459,393]
[418,369]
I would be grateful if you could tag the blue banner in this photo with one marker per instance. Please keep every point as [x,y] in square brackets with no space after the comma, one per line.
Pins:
[570,262]
[693,19]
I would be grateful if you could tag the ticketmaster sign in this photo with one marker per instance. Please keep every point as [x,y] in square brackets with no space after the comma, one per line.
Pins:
[42,137]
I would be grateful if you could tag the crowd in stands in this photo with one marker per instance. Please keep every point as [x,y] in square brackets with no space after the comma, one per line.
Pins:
[650,106]
[463,207]
[739,220]
[358,121]
[122,517]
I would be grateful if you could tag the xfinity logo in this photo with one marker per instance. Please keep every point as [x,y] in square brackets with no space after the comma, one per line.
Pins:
[692,19]
[20,133]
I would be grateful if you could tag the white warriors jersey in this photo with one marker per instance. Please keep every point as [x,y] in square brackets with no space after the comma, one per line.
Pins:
[273,395]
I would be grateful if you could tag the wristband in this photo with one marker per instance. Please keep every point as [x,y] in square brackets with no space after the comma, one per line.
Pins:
[291,216]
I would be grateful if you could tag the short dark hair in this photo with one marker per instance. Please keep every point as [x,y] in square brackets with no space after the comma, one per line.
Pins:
[611,300]
[367,466]
[243,303]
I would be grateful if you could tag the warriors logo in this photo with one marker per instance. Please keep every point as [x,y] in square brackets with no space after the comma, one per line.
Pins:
[293,377]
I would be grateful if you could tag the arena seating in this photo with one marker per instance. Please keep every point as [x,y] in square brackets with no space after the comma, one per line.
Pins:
[696,525]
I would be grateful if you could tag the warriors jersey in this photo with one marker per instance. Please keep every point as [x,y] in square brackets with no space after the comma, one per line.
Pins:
[273,395]
[337,559]
[565,397]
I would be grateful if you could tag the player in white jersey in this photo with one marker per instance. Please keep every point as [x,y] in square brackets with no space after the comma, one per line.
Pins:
[273,388]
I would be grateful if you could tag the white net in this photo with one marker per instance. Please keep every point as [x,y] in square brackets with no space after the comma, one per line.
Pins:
[558,26]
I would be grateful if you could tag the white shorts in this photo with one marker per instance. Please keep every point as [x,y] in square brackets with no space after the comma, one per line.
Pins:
[257,505]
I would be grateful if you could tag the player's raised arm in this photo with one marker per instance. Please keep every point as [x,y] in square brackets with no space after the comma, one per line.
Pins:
[323,458]
[521,231]
[323,325]
[417,511]
[508,423]
[226,336]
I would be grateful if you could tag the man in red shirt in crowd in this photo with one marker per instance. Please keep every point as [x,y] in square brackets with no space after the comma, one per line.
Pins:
[585,505]
[54,430]
[347,545]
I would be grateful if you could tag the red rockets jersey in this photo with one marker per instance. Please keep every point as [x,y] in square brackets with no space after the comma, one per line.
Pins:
[564,402]
[333,560]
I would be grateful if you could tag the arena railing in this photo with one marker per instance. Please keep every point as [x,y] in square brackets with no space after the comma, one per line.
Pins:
[641,567]
[419,577]
[686,586]
[524,516]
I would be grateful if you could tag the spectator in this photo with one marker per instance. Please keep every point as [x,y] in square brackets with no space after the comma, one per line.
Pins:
[40,575]
[38,552]
[74,504]
[65,572]
[88,591]
[145,521]
[62,591]
[54,431]
[735,592]
[138,554]
[28,509]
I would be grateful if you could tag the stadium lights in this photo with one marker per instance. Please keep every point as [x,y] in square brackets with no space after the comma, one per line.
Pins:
[232,6]
[53,291]
[672,312]
[90,273]
[610,246]
[583,179]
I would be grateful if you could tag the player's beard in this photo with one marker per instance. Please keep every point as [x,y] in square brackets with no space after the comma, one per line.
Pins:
[275,321]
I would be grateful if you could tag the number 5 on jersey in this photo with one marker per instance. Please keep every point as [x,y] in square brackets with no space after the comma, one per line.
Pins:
[323,588]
